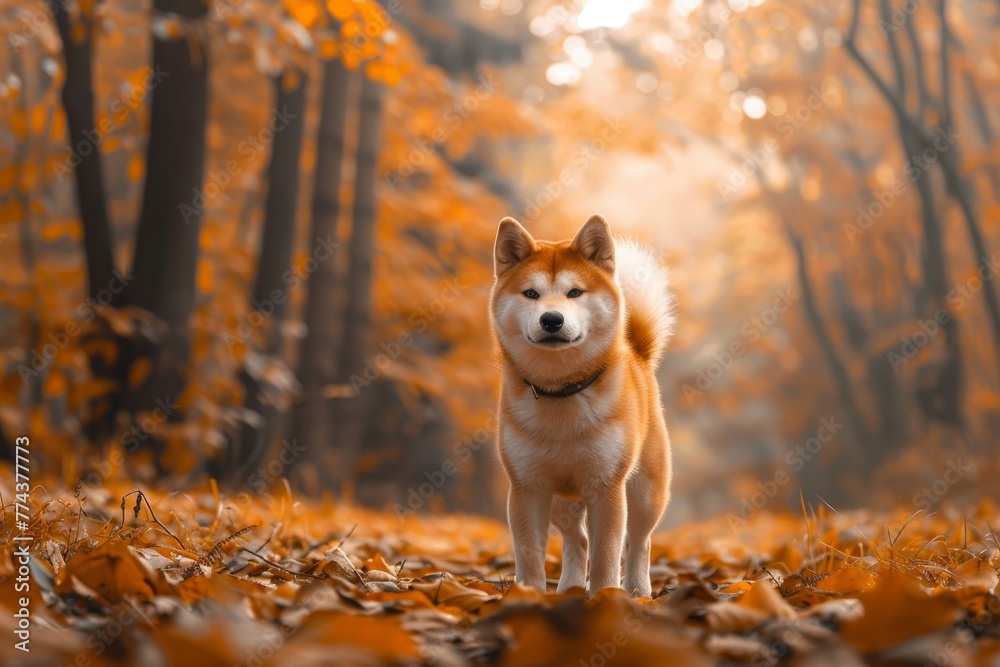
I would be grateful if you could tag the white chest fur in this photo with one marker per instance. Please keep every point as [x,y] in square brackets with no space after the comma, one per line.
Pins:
[566,448]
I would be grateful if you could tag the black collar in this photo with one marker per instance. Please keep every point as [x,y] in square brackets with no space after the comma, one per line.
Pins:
[566,391]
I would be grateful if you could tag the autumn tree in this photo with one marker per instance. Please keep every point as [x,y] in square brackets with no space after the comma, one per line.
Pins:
[166,241]
[318,353]
[269,295]
[358,310]
[76,28]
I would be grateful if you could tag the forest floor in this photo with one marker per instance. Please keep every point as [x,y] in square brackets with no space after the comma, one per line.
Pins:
[201,579]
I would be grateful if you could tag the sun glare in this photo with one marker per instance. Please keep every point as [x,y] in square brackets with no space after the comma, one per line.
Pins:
[612,14]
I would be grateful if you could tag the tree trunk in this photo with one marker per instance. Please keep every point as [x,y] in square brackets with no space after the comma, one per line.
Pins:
[842,379]
[31,398]
[317,358]
[166,246]
[958,185]
[281,206]
[78,101]
[358,312]
[882,380]
[940,387]
[939,393]
[270,290]
[84,143]
[981,117]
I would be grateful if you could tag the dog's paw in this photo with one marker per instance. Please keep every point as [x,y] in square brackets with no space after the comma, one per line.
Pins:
[640,591]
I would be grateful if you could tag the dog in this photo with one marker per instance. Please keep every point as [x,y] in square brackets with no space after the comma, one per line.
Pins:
[580,327]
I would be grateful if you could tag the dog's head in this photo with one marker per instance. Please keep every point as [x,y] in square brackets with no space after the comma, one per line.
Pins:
[552,297]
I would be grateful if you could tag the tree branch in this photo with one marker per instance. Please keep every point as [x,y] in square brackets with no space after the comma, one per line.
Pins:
[897,103]
[897,60]
[945,55]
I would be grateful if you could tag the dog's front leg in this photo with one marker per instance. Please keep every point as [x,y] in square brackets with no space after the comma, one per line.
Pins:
[606,526]
[528,511]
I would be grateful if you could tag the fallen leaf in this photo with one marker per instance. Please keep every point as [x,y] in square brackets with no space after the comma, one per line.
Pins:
[896,610]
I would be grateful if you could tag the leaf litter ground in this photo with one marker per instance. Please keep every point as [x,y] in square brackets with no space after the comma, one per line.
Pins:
[121,576]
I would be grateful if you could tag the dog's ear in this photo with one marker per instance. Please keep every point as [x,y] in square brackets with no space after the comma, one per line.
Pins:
[513,244]
[594,242]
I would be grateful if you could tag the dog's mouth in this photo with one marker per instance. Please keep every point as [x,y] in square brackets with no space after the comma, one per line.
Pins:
[556,341]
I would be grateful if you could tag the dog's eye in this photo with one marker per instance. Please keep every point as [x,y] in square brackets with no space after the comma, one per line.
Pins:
[575,292]
[530,293]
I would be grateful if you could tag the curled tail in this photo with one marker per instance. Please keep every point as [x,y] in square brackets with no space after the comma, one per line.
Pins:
[649,304]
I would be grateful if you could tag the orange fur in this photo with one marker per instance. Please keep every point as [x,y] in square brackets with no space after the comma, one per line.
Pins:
[597,463]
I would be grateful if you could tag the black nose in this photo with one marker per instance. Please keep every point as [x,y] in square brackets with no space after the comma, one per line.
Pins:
[551,321]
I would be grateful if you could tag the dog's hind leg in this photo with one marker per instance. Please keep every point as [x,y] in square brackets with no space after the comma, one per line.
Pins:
[570,517]
[645,507]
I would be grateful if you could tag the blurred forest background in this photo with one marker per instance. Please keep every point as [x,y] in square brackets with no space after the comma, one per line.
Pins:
[252,239]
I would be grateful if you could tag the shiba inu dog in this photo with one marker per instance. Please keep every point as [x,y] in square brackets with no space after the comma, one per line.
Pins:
[581,327]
